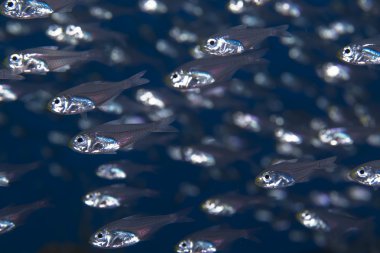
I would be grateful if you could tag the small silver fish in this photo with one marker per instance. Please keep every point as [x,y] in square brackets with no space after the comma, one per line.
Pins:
[88,96]
[204,72]
[131,230]
[367,174]
[31,9]
[49,59]
[288,173]
[229,204]
[365,52]
[212,239]
[331,221]
[115,196]
[14,216]
[109,138]
[79,34]
[12,172]
[239,39]
[121,170]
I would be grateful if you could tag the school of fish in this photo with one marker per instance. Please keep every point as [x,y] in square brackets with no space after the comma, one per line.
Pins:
[260,113]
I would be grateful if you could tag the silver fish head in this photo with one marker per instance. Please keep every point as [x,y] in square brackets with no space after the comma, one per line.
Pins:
[111,172]
[26,9]
[81,143]
[350,54]
[4,180]
[218,207]
[274,180]
[55,32]
[12,8]
[185,246]
[366,175]
[199,157]
[311,220]
[113,239]
[183,80]
[7,94]
[70,105]
[190,246]
[16,62]
[99,200]
[179,80]
[6,226]
[222,47]
[58,105]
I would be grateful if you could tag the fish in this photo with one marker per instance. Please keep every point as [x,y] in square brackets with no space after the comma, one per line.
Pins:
[204,72]
[10,173]
[366,174]
[120,170]
[88,96]
[32,9]
[42,60]
[83,33]
[212,239]
[115,196]
[110,137]
[239,39]
[363,52]
[13,217]
[132,230]
[288,173]
[331,221]
[229,204]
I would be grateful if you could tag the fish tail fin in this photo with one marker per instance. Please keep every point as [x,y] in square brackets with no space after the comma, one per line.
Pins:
[327,163]
[250,234]
[135,80]
[164,126]
[281,31]
[182,216]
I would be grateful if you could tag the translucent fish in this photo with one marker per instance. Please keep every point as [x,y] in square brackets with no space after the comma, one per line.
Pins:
[288,173]
[115,196]
[239,39]
[49,59]
[111,137]
[14,216]
[31,9]
[204,72]
[131,230]
[88,96]
[212,239]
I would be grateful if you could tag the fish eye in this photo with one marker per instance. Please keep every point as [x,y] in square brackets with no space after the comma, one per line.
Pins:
[80,140]
[175,77]
[99,235]
[15,57]
[361,171]
[183,244]
[57,101]
[11,5]
[347,51]
[211,42]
